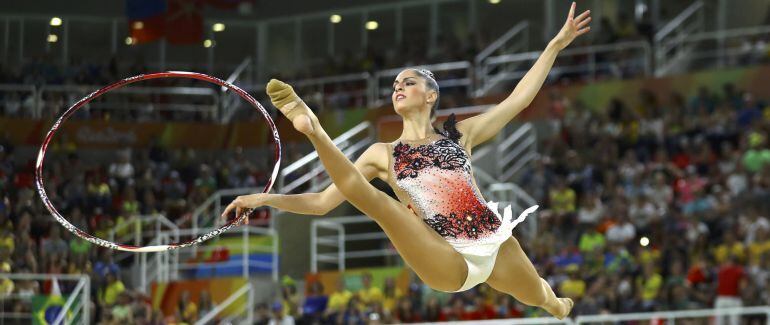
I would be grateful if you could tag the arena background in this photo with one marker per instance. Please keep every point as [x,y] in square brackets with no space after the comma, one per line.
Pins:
[647,150]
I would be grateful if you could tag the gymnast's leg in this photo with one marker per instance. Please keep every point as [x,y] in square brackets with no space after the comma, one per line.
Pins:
[515,275]
[437,263]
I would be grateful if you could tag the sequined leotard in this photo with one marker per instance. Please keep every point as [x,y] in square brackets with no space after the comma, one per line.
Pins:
[434,176]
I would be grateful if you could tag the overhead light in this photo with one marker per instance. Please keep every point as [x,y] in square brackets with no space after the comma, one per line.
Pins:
[129,40]
[218,27]
[494,2]
[644,241]
[372,25]
[335,19]
[137,25]
[55,21]
[52,38]
[208,43]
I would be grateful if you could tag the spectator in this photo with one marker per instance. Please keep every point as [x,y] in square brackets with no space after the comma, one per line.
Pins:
[279,317]
[731,281]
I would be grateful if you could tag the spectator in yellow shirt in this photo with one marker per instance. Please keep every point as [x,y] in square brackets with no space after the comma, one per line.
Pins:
[574,287]
[759,247]
[649,284]
[369,294]
[338,300]
[562,198]
[728,247]
[113,288]
[391,295]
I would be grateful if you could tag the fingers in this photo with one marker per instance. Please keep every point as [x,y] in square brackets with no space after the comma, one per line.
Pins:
[583,23]
[583,16]
[229,208]
[583,31]
[571,11]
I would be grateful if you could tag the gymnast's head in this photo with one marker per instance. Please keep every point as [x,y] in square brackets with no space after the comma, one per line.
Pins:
[415,92]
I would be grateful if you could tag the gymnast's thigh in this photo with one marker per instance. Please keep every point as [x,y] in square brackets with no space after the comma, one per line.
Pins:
[425,251]
[513,272]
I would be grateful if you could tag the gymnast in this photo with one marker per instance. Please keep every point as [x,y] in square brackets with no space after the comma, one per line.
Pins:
[441,226]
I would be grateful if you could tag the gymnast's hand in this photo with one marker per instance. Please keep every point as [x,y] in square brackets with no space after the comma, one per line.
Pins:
[244,202]
[286,100]
[573,27]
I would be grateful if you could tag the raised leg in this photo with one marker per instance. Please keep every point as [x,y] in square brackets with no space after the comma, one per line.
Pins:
[428,254]
[515,275]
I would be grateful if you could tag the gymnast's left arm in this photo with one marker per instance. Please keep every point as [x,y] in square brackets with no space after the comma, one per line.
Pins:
[484,126]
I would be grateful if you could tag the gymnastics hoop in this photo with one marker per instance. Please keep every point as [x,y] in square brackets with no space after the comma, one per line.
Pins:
[169,74]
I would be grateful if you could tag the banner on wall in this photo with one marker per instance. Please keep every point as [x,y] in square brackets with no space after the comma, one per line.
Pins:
[166,296]
[352,278]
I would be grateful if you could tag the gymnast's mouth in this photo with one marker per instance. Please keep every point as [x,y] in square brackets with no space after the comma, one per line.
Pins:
[400,97]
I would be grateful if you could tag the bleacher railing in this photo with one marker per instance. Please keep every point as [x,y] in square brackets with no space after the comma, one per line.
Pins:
[248,318]
[515,40]
[308,172]
[616,60]
[670,44]
[139,231]
[672,317]
[516,151]
[76,309]
[737,47]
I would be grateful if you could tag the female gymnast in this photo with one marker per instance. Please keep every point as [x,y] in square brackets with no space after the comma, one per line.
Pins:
[444,230]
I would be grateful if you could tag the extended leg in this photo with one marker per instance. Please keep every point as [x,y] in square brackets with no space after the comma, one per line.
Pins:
[429,255]
[515,275]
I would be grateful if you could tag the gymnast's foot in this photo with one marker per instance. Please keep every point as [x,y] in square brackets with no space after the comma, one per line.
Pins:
[286,100]
[559,308]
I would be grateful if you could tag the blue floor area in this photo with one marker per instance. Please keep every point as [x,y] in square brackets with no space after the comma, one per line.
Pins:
[258,264]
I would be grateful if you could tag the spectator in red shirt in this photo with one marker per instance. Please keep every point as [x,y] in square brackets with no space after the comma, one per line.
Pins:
[731,279]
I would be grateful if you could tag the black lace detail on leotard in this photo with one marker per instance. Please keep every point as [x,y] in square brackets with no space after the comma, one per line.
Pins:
[444,154]
[469,226]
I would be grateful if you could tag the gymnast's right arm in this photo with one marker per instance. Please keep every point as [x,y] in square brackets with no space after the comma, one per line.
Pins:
[306,203]
[322,202]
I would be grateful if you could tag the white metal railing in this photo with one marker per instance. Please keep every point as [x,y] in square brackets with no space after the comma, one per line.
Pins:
[247,289]
[230,100]
[25,96]
[516,151]
[671,317]
[458,74]
[314,175]
[126,99]
[512,321]
[338,240]
[135,232]
[497,69]
[731,51]
[76,305]
[518,34]
[669,46]
[158,269]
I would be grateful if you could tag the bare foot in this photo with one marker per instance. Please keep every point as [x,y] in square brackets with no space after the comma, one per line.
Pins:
[283,96]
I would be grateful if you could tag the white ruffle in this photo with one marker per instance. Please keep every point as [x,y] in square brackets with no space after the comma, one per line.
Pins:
[488,245]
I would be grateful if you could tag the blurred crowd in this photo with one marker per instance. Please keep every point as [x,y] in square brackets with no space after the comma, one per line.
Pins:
[105,197]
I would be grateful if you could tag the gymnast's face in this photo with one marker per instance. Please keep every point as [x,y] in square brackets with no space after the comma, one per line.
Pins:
[411,93]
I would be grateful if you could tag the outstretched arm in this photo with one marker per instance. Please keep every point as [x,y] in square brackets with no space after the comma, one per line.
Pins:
[484,126]
[319,203]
